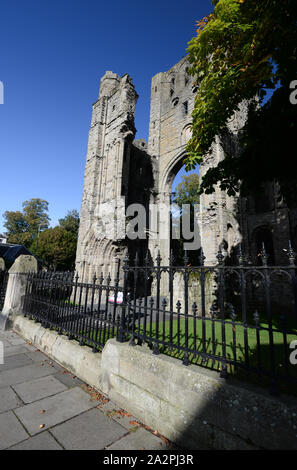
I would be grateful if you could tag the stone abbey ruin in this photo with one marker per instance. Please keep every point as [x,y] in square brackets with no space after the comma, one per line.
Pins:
[143,172]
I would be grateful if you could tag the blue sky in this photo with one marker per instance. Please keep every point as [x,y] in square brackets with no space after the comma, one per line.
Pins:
[52,56]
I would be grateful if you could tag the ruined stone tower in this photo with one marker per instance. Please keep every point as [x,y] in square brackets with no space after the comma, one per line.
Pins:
[172,102]
[143,173]
[114,167]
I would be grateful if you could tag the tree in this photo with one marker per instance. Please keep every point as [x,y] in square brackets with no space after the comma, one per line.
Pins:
[243,49]
[36,214]
[15,222]
[188,190]
[21,239]
[70,222]
[187,193]
[23,227]
[56,248]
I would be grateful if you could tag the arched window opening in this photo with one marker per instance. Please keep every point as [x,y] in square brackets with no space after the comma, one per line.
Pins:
[175,102]
[172,86]
[185,188]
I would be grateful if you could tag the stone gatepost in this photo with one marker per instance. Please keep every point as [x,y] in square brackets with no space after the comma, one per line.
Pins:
[2,264]
[15,291]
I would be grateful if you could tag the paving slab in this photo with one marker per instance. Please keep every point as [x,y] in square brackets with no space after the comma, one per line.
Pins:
[37,356]
[43,441]
[9,400]
[45,407]
[29,346]
[8,332]
[141,439]
[17,360]
[11,430]
[58,408]
[112,411]
[5,342]
[14,350]
[16,341]
[39,388]
[23,374]
[89,431]
[68,379]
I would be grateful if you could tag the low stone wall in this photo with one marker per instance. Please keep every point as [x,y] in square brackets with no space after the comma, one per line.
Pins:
[80,360]
[189,405]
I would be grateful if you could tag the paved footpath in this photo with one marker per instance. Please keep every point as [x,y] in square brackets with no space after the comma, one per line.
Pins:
[44,407]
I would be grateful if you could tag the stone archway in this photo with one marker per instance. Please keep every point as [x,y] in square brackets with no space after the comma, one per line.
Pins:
[170,171]
[166,178]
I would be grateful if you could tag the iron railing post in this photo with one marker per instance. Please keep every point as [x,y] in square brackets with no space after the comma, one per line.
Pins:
[121,330]
[221,280]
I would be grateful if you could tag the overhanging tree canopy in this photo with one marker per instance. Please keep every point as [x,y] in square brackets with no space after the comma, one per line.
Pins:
[242,49]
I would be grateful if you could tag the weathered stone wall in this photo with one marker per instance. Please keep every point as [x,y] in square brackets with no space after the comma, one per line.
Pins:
[109,175]
[172,102]
[103,172]
[194,293]
[268,210]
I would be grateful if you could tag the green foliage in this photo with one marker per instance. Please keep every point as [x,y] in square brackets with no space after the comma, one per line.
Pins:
[242,49]
[188,190]
[187,193]
[70,222]
[15,222]
[36,214]
[21,239]
[23,227]
[56,248]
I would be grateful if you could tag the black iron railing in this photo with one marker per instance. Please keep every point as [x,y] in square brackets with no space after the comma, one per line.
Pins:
[239,319]
[85,312]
